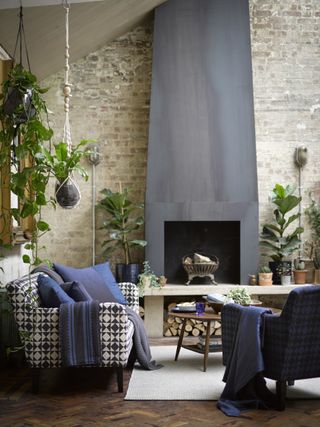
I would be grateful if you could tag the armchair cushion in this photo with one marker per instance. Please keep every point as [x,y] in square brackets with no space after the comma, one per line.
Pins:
[91,280]
[76,291]
[51,294]
[105,271]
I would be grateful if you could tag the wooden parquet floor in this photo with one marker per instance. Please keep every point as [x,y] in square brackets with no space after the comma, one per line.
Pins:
[89,397]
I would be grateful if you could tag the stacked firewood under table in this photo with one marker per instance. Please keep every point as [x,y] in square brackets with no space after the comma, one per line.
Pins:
[173,326]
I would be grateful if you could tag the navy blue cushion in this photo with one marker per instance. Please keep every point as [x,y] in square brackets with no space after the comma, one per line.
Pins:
[91,280]
[51,294]
[105,271]
[76,291]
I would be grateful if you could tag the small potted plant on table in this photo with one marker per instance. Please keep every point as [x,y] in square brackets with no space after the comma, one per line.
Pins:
[265,276]
[300,273]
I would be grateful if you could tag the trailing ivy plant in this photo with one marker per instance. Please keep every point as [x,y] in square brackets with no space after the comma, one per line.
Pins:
[22,146]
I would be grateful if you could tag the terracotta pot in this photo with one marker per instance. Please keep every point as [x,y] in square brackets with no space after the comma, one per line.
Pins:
[300,277]
[265,279]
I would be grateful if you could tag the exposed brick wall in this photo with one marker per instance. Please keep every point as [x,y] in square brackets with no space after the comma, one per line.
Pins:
[110,103]
[286,77]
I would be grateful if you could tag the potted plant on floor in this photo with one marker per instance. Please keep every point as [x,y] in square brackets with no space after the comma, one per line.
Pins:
[124,219]
[275,238]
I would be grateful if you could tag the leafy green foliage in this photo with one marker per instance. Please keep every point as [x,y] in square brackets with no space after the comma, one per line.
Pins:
[63,163]
[313,215]
[276,239]
[148,276]
[239,296]
[264,269]
[23,149]
[121,223]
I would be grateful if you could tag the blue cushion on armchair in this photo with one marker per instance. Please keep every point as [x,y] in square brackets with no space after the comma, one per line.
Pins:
[91,280]
[51,294]
[105,271]
[76,291]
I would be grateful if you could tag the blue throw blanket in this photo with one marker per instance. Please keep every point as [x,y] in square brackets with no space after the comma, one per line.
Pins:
[140,342]
[80,336]
[245,386]
[80,333]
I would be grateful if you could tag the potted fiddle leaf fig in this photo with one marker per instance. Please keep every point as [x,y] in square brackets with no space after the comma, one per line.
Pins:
[124,218]
[276,238]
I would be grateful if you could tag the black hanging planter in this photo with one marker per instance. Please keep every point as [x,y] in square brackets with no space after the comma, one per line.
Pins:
[67,193]
[127,273]
[19,105]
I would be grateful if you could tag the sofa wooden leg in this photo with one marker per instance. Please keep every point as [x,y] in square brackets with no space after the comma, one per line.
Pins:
[35,380]
[281,387]
[120,379]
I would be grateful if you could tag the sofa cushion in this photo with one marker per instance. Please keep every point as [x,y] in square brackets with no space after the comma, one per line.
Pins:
[76,291]
[91,280]
[51,294]
[105,271]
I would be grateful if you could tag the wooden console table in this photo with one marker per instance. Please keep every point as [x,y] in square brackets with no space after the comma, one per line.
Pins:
[154,299]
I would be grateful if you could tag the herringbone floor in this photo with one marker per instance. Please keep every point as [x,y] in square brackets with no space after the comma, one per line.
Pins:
[89,397]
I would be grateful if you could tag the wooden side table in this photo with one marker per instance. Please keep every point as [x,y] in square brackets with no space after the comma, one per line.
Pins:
[207,317]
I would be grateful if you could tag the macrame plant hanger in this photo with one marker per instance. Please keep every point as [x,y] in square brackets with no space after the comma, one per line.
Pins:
[67,192]
[15,98]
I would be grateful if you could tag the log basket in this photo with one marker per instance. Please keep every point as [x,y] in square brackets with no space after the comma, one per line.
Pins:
[201,269]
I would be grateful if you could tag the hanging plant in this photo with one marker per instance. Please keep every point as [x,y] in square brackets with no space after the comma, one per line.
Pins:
[67,157]
[62,165]
[21,93]
[21,144]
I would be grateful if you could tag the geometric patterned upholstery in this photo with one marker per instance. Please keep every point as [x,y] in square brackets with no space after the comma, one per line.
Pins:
[39,326]
[291,340]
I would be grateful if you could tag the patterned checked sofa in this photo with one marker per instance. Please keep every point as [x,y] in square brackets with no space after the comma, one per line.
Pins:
[39,328]
[291,340]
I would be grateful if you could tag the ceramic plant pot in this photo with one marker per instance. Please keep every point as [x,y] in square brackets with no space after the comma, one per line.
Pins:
[300,276]
[285,280]
[67,194]
[127,273]
[277,267]
[265,279]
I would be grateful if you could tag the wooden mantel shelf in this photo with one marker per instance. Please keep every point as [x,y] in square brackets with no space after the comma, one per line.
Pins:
[154,299]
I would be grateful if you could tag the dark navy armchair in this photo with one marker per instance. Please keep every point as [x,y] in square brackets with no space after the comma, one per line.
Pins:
[290,340]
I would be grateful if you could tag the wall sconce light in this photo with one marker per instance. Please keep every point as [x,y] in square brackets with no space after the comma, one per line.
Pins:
[301,156]
[94,154]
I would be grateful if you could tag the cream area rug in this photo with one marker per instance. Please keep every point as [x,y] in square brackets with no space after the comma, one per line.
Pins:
[185,379]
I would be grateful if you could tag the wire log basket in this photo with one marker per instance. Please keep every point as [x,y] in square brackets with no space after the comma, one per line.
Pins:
[200,269]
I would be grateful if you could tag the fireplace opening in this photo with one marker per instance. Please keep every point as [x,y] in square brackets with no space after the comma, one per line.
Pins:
[219,238]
